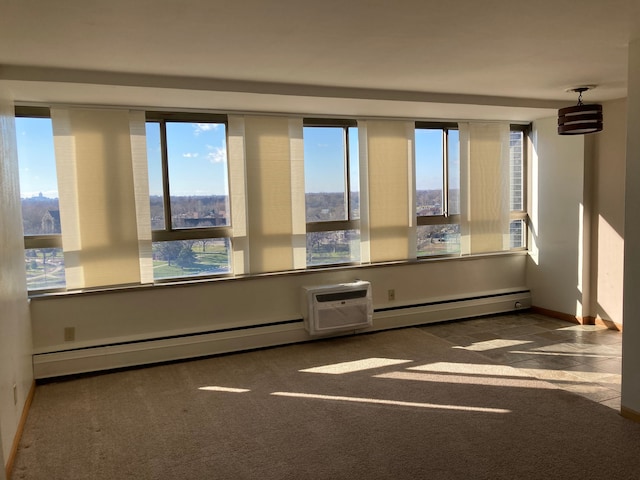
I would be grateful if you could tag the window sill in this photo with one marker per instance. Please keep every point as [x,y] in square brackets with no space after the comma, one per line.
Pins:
[183,282]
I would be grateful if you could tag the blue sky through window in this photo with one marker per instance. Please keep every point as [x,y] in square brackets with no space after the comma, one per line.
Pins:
[197,155]
[37,159]
[324,157]
[198,165]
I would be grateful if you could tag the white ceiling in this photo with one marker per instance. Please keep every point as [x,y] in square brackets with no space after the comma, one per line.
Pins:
[415,58]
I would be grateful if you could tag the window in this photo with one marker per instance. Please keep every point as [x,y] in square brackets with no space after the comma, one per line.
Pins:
[44,260]
[189,200]
[437,157]
[189,195]
[517,200]
[331,192]
[438,188]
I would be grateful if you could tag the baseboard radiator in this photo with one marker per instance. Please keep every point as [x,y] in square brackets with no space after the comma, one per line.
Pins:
[122,354]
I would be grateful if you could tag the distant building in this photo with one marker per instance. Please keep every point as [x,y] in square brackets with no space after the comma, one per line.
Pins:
[51,222]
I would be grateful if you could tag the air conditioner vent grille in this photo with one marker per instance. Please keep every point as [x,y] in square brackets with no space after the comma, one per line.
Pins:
[348,295]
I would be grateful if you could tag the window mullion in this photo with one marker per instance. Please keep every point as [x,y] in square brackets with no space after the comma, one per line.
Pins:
[166,200]
[438,220]
[333,225]
[445,172]
[42,241]
[347,174]
[193,234]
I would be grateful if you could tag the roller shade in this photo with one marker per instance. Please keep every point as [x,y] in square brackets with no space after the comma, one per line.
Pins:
[484,181]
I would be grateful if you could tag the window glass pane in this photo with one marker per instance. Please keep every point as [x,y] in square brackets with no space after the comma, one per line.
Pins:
[38,181]
[438,239]
[324,173]
[517,234]
[429,171]
[326,248]
[453,153]
[197,160]
[154,160]
[515,163]
[354,173]
[45,268]
[188,258]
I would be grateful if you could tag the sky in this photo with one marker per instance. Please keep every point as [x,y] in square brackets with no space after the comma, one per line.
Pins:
[197,158]
[197,154]
[36,157]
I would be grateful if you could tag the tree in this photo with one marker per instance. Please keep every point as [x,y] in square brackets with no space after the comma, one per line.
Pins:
[314,240]
[169,251]
[186,257]
[204,243]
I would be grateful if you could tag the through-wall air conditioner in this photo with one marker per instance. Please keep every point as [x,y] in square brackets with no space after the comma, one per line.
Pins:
[334,308]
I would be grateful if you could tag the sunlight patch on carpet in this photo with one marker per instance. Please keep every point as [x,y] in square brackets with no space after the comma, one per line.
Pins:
[355,366]
[575,375]
[378,401]
[560,354]
[467,380]
[214,388]
[493,344]
[470,369]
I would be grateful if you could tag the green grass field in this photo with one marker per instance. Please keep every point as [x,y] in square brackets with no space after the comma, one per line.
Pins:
[214,260]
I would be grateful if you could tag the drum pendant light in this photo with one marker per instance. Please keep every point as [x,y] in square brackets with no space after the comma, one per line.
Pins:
[580,119]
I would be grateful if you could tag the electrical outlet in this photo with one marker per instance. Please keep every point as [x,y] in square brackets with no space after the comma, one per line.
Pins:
[391,294]
[69,334]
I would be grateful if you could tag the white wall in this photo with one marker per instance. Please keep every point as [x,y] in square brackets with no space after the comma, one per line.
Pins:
[148,312]
[554,268]
[631,337]
[15,329]
[607,218]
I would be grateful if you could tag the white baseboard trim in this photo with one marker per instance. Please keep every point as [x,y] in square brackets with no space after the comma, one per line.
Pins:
[451,310]
[144,352]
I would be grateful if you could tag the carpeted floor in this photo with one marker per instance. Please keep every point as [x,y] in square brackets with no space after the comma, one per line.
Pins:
[400,404]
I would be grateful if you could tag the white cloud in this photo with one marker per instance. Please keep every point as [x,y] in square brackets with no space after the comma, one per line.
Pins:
[190,155]
[217,154]
[204,127]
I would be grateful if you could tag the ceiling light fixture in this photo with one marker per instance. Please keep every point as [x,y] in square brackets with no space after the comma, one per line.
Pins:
[580,119]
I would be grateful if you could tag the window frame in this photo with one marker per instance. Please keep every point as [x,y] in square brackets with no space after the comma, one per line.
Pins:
[52,240]
[522,214]
[445,218]
[169,232]
[39,241]
[335,225]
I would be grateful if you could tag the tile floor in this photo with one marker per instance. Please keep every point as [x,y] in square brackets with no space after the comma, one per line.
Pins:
[585,359]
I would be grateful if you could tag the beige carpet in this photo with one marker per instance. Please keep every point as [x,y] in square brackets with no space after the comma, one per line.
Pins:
[401,404]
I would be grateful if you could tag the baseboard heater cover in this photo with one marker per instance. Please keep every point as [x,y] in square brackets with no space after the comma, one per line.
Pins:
[56,363]
[328,309]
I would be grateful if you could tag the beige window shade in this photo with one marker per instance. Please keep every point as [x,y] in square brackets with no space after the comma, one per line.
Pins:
[484,181]
[238,194]
[387,190]
[13,286]
[98,195]
[298,196]
[275,179]
[140,170]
